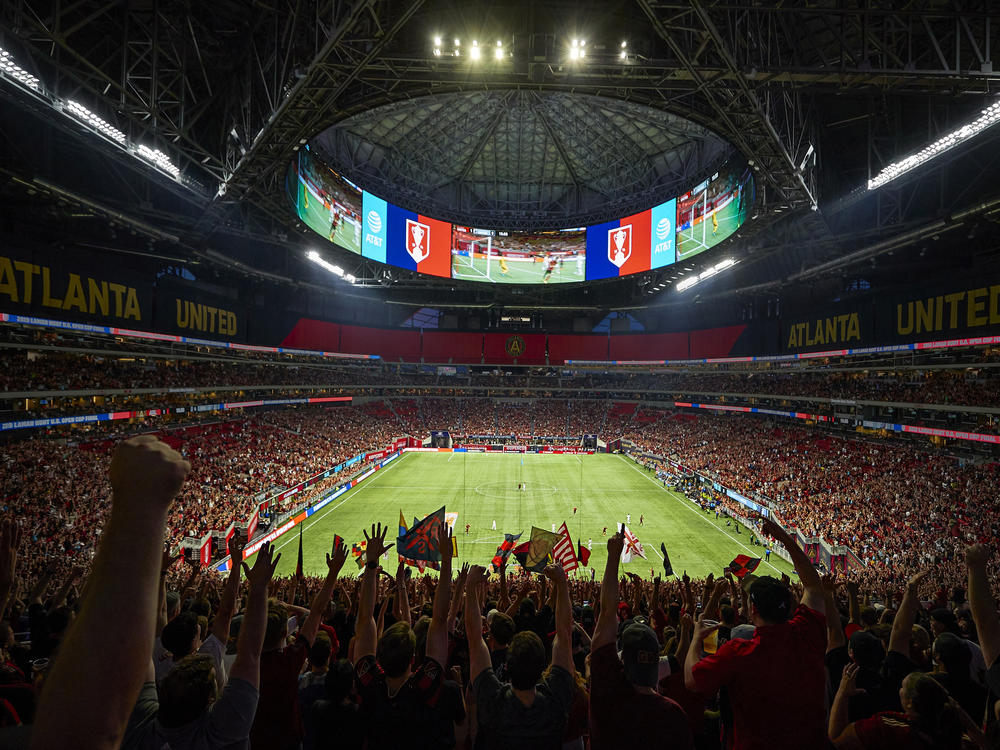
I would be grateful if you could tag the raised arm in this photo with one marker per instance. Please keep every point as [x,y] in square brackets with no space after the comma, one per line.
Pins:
[402,595]
[562,644]
[365,636]
[834,629]
[227,604]
[10,540]
[254,625]
[334,563]
[854,608]
[812,594]
[984,609]
[112,650]
[504,601]
[606,630]
[456,595]
[437,633]
[902,624]
[479,654]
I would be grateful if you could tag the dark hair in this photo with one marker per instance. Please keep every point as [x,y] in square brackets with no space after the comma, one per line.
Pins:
[201,607]
[771,598]
[277,626]
[187,690]
[339,680]
[525,660]
[179,633]
[502,628]
[869,617]
[319,652]
[930,711]
[728,615]
[395,649]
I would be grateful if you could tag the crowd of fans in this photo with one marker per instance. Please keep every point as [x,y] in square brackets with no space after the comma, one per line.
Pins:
[484,658]
[45,371]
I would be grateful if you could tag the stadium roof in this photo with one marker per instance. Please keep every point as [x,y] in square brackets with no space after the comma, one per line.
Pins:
[522,159]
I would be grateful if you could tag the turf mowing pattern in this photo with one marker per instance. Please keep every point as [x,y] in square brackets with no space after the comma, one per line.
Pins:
[483,487]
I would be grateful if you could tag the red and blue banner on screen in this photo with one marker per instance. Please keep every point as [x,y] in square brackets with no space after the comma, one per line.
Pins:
[406,239]
[633,244]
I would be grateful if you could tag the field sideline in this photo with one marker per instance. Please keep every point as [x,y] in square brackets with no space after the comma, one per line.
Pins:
[483,487]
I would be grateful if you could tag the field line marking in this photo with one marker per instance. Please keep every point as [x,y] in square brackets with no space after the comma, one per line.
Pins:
[325,511]
[684,504]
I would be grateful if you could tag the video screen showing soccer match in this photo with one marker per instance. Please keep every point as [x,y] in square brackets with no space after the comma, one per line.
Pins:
[712,211]
[519,258]
[325,201]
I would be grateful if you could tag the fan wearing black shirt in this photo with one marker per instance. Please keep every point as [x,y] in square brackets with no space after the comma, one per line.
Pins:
[529,712]
[400,707]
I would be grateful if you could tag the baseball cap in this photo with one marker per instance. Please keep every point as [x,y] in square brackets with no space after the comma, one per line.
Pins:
[743,632]
[771,598]
[641,655]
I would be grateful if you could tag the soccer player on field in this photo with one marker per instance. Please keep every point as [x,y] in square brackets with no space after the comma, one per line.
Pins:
[503,266]
[550,264]
[715,224]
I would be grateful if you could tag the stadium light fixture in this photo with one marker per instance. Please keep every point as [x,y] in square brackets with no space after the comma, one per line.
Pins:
[689,281]
[15,72]
[437,41]
[498,52]
[78,110]
[989,117]
[320,261]
[475,52]
[158,158]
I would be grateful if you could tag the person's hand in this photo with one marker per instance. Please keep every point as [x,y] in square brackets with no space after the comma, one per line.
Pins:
[685,578]
[445,547]
[616,543]
[463,575]
[848,681]
[375,543]
[337,557]
[168,559]
[555,573]
[146,474]
[236,546]
[477,574]
[704,628]
[772,528]
[977,554]
[687,624]
[917,579]
[401,571]
[852,587]
[263,567]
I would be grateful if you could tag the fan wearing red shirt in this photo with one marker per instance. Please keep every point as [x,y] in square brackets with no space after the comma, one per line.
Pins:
[625,709]
[778,672]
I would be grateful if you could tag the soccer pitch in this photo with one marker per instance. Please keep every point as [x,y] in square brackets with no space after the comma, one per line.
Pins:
[691,242]
[518,271]
[482,488]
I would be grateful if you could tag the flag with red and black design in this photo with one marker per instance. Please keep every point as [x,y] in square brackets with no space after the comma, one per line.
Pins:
[358,550]
[421,541]
[582,553]
[743,564]
[503,551]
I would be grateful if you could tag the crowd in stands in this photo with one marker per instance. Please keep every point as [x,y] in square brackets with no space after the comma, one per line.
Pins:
[897,508]
[479,658]
[36,371]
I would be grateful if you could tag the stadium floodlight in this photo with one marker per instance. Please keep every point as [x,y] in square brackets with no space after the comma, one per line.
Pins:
[15,72]
[474,53]
[686,283]
[990,116]
[350,278]
[457,43]
[498,52]
[437,52]
[624,45]
[78,110]
[323,263]
[437,41]
[689,281]
[158,158]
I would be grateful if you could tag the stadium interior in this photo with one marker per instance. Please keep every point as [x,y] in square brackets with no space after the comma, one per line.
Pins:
[699,281]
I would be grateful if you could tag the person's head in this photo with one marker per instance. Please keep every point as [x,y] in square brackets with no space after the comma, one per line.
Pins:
[501,630]
[173,604]
[525,660]
[182,635]
[319,652]
[869,617]
[187,690]
[6,635]
[277,627]
[641,655]
[925,701]
[339,681]
[201,607]
[728,615]
[866,650]
[943,621]
[953,654]
[395,649]
[770,601]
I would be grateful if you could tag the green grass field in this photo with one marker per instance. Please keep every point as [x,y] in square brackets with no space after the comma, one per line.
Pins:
[518,272]
[313,213]
[699,238]
[483,487]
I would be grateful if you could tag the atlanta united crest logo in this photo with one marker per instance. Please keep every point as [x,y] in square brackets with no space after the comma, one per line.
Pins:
[418,240]
[514,346]
[620,245]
